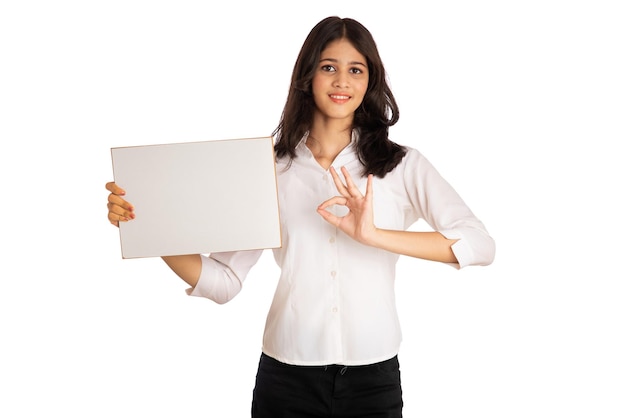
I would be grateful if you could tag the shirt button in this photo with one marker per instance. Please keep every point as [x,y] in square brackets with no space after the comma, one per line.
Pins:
[331,240]
[333,273]
[325,177]
[335,309]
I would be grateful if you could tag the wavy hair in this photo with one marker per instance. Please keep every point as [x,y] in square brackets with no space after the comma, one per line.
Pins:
[378,111]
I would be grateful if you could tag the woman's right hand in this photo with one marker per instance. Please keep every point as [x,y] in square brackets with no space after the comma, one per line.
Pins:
[119,209]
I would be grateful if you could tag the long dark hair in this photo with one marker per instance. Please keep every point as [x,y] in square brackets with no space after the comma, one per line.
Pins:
[372,119]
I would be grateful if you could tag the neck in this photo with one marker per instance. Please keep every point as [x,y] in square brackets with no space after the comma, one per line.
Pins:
[326,145]
[328,137]
[330,133]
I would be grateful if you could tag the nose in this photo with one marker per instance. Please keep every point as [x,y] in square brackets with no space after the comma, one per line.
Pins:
[341,79]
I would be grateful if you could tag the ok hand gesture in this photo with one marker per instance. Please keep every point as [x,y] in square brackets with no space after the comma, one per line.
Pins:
[358,223]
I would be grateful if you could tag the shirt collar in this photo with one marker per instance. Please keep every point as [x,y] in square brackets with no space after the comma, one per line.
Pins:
[301,147]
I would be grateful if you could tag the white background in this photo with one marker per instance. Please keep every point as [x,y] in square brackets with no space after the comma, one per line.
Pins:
[520,105]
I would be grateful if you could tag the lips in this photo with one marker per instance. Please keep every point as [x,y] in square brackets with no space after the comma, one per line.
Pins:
[339,98]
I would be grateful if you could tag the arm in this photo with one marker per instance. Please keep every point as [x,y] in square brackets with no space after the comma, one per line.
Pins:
[425,245]
[359,225]
[187,267]
[458,237]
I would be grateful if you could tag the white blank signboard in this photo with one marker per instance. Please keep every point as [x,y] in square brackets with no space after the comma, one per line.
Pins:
[198,197]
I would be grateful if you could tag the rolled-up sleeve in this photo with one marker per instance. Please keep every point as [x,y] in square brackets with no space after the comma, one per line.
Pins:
[438,203]
[223,274]
[475,247]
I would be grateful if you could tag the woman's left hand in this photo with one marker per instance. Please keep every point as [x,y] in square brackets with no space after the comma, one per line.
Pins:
[358,223]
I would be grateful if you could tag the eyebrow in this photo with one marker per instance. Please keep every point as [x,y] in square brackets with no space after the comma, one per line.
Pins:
[334,60]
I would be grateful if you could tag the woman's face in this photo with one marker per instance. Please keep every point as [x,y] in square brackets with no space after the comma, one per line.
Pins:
[340,81]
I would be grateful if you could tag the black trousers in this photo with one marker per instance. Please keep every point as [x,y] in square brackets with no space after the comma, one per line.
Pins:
[286,391]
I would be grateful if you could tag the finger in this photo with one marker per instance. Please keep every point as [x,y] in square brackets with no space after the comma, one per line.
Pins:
[115,189]
[118,213]
[116,200]
[337,200]
[112,220]
[329,217]
[341,188]
[369,189]
[115,219]
[352,189]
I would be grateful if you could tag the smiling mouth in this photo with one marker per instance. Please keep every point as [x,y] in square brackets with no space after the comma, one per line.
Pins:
[339,97]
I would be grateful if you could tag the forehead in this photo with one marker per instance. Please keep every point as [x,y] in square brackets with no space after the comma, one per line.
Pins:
[342,50]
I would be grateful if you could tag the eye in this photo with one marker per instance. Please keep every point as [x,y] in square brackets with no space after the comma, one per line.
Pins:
[355,70]
[328,68]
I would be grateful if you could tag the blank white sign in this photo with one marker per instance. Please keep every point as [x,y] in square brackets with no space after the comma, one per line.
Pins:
[198,197]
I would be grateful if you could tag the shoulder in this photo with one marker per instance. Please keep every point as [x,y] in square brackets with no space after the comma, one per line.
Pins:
[412,158]
[414,167]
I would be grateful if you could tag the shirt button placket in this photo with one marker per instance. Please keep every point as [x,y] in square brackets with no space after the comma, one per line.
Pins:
[336,303]
[333,276]
[335,327]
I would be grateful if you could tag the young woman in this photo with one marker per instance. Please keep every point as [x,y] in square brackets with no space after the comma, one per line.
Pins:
[347,195]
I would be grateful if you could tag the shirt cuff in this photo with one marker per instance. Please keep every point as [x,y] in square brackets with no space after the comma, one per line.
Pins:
[473,247]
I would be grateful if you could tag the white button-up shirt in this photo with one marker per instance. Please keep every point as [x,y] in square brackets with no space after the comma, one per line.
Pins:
[335,300]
